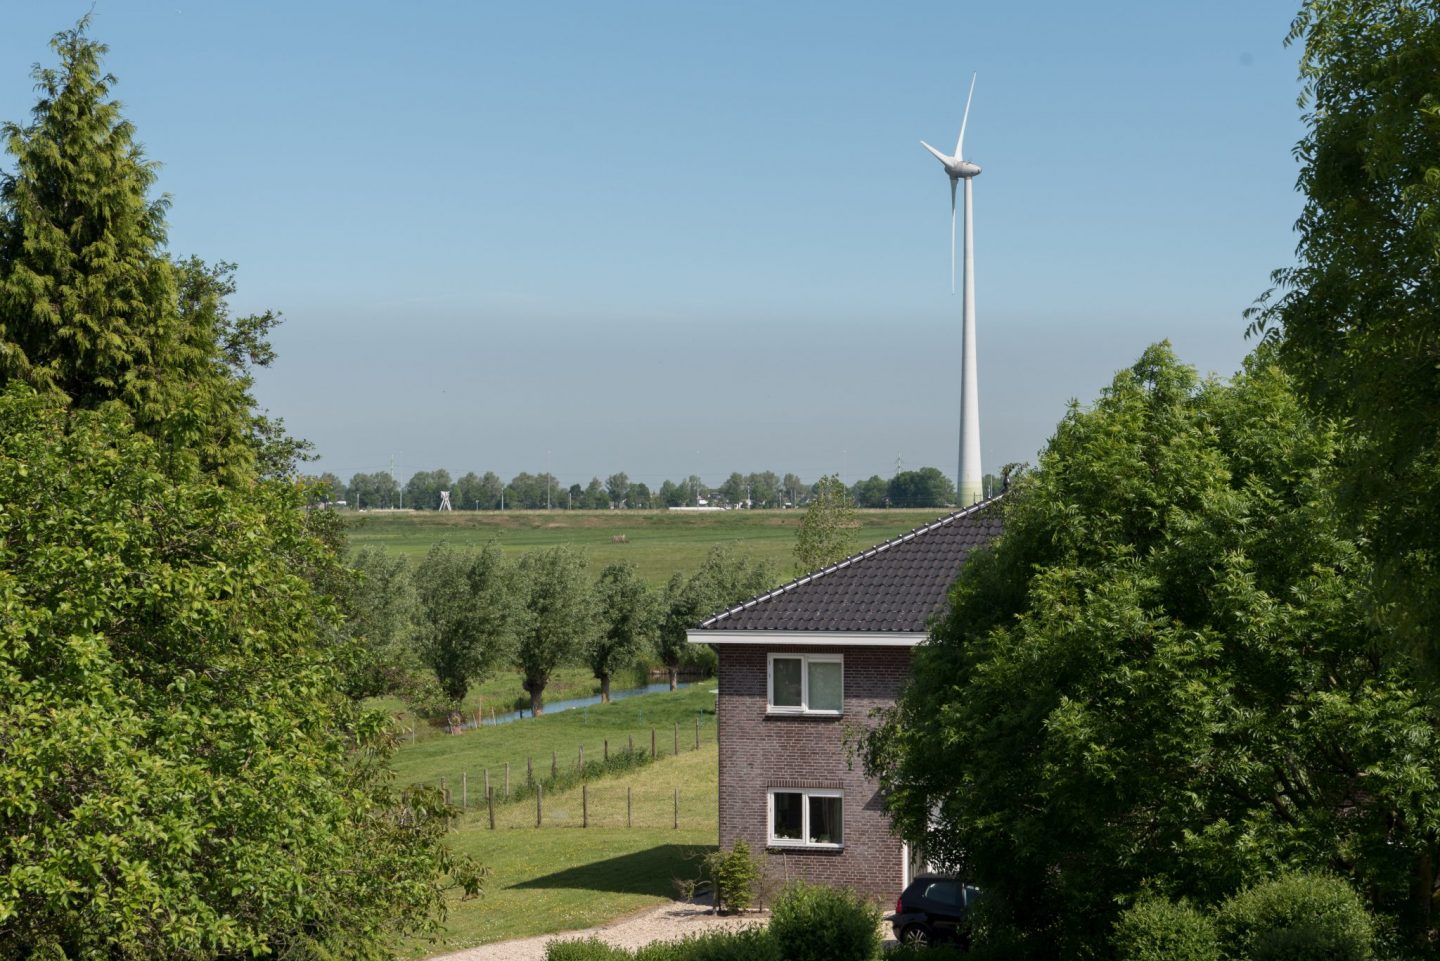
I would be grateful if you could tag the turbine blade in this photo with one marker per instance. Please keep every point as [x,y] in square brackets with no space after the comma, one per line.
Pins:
[960,144]
[938,155]
[952,234]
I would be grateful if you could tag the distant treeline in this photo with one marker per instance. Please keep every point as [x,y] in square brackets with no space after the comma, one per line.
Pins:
[925,487]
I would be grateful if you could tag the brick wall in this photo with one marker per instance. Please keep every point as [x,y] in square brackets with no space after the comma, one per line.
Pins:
[759,751]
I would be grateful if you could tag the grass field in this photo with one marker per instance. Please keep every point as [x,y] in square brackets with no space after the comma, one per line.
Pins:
[657,542]
[562,876]
[505,692]
[471,753]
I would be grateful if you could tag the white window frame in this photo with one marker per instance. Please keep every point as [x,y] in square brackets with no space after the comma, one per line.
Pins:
[805,661]
[806,794]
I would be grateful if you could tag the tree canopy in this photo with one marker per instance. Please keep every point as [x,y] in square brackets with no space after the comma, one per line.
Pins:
[1164,676]
[183,775]
[824,533]
[1357,319]
[92,307]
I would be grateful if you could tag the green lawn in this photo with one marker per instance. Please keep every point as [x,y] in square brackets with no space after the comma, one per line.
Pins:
[504,692]
[561,877]
[657,542]
[471,753]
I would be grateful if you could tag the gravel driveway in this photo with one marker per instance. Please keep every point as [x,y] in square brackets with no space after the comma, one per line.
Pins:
[668,922]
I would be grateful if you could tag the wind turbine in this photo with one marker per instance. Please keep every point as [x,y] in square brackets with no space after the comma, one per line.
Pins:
[968,481]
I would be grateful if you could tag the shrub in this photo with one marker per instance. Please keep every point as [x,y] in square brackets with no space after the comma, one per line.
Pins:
[815,923]
[1297,918]
[751,944]
[1159,930]
[735,876]
[590,949]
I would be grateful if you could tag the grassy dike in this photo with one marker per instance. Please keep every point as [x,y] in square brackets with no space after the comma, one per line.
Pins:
[562,876]
[657,542]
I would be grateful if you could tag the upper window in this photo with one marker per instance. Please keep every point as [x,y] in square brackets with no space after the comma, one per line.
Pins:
[806,683]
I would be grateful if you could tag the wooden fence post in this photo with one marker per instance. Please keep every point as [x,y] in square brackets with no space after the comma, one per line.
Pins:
[507,780]
[677,809]
[490,801]
[554,765]
[584,805]
[487,780]
[627,807]
[652,744]
[607,749]
[697,732]
[539,793]
[582,760]
[529,771]
[632,744]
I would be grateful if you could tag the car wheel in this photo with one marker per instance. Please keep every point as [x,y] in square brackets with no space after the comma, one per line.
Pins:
[916,934]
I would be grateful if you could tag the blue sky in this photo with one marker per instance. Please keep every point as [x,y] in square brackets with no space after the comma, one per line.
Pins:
[674,238]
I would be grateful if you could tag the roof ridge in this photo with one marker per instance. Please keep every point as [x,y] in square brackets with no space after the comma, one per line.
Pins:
[866,554]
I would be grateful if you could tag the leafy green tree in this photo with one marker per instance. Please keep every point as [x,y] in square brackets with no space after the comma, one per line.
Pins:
[466,615]
[488,492]
[555,616]
[764,489]
[926,487]
[824,534]
[184,775]
[381,611]
[672,494]
[595,497]
[794,490]
[640,496]
[371,491]
[618,487]
[871,493]
[1165,676]
[723,579]
[1360,310]
[467,492]
[733,490]
[93,309]
[422,491]
[626,618]
[331,488]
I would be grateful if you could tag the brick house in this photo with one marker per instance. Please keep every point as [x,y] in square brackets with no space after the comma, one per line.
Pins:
[802,666]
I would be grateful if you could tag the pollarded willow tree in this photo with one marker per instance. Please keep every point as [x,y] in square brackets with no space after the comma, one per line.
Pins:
[466,615]
[1164,677]
[1358,317]
[554,614]
[824,534]
[627,616]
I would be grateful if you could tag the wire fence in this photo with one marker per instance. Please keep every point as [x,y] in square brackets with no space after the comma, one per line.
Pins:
[542,780]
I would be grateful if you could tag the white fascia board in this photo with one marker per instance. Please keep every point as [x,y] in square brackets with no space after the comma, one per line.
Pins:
[812,638]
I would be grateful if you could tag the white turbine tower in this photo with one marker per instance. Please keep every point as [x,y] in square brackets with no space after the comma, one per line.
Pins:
[968,483]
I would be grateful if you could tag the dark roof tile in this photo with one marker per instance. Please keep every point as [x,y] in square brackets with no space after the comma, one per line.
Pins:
[895,586]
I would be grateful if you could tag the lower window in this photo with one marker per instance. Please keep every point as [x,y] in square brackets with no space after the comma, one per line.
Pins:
[803,817]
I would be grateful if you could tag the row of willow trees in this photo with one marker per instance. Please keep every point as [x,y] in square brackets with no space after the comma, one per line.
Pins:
[428,631]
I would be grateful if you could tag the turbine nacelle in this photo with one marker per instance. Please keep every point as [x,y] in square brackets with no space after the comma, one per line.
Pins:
[957,169]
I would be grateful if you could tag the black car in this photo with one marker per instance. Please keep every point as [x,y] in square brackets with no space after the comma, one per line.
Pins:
[934,908]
